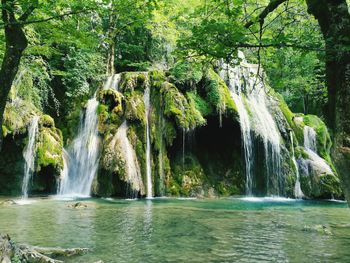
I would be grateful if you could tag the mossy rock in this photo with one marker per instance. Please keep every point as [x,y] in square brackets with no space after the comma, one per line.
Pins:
[200,104]
[321,186]
[324,142]
[112,99]
[49,148]
[131,81]
[47,121]
[110,110]
[177,107]
[134,107]
[218,94]
[17,117]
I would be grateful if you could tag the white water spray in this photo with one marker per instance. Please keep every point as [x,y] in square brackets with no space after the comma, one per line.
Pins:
[29,154]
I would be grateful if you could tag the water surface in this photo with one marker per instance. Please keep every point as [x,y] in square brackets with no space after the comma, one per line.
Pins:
[172,230]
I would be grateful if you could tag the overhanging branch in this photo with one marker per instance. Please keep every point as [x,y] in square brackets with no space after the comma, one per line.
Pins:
[273,5]
[22,23]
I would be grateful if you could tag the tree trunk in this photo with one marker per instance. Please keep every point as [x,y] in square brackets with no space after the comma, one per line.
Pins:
[110,59]
[334,20]
[16,42]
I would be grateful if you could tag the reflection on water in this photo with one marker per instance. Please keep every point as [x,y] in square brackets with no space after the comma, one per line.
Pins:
[170,230]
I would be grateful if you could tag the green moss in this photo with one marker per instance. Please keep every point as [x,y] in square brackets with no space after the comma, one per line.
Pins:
[157,76]
[324,142]
[177,107]
[200,104]
[134,106]
[292,119]
[17,117]
[47,121]
[131,81]
[49,148]
[110,110]
[218,94]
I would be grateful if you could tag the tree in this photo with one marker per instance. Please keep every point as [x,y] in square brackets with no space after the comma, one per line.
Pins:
[334,20]
[16,43]
[15,16]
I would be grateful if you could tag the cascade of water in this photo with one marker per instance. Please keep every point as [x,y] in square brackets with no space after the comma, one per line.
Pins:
[247,91]
[147,103]
[84,155]
[160,154]
[112,82]
[29,155]
[183,147]
[64,172]
[132,166]
[311,149]
[310,138]
[298,193]
[237,96]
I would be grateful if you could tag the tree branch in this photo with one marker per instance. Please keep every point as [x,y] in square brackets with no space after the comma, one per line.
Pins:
[28,12]
[274,4]
[45,19]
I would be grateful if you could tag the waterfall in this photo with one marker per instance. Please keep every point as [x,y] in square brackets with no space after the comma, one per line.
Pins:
[247,91]
[132,166]
[298,193]
[183,147]
[237,96]
[29,155]
[160,154]
[112,82]
[310,138]
[83,155]
[311,149]
[64,172]
[148,143]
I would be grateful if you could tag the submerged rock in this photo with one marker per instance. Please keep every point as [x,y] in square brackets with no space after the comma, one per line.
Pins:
[12,252]
[78,205]
[8,202]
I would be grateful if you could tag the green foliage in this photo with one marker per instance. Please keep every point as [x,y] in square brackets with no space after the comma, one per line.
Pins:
[186,74]
[81,66]
[299,77]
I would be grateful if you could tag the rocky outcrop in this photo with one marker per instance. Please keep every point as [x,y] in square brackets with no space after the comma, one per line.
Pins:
[12,252]
[49,146]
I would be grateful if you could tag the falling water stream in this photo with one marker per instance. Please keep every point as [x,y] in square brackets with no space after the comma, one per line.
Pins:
[247,91]
[83,155]
[298,193]
[311,149]
[133,172]
[29,154]
[148,143]
[81,159]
